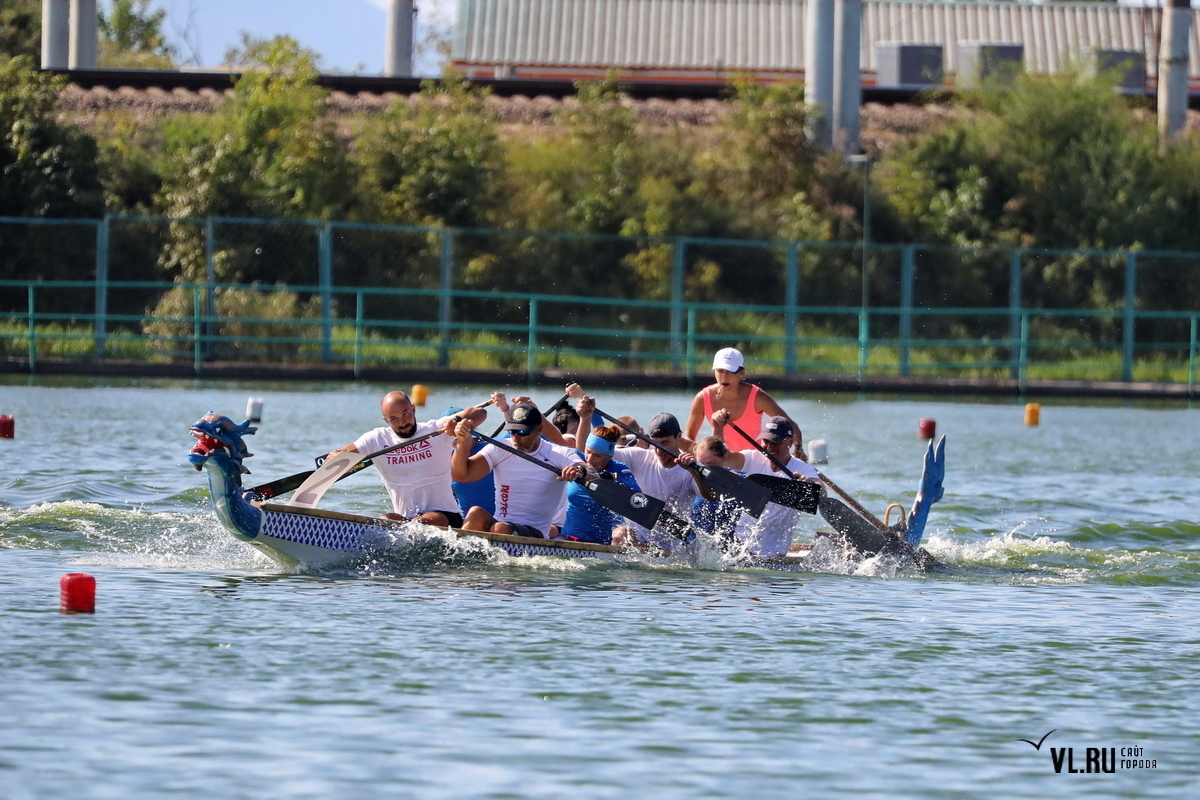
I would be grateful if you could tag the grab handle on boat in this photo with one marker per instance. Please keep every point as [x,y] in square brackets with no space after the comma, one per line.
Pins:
[888,513]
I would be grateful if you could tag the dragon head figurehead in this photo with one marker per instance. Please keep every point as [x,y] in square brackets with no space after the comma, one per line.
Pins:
[217,433]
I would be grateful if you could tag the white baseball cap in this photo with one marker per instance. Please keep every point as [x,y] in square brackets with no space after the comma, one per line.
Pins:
[728,359]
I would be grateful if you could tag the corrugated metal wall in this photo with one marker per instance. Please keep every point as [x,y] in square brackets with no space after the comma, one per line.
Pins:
[768,35]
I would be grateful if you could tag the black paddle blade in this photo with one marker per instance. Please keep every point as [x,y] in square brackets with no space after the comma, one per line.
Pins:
[865,537]
[678,527]
[632,505]
[800,495]
[751,496]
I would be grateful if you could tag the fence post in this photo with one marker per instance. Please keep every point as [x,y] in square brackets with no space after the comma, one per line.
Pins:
[907,272]
[691,346]
[210,278]
[1130,316]
[1023,357]
[444,307]
[197,338]
[677,270]
[1018,323]
[531,341]
[792,300]
[864,320]
[100,326]
[325,278]
[358,335]
[1192,358]
[32,328]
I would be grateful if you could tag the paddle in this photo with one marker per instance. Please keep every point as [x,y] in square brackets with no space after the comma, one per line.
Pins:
[750,495]
[284,485]
[791,492]
[337,467]
[633,505]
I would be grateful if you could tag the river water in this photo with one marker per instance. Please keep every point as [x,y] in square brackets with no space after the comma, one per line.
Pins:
[1069,604]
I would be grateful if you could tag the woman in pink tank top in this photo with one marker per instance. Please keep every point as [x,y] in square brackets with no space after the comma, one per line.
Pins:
[745,402]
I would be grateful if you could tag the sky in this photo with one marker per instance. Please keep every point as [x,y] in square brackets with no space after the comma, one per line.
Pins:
[348,34]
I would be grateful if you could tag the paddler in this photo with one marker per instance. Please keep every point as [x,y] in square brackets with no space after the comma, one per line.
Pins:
[588,520]
[416,477]
[770,534]
[746,403]
[662,475]
[527,496]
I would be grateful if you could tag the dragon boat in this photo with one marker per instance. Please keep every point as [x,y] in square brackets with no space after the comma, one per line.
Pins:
[293,535]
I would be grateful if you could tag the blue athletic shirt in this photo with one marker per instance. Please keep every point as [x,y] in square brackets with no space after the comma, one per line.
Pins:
[587,520]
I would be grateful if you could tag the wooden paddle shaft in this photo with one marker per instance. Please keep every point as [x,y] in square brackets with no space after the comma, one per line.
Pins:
[857,506]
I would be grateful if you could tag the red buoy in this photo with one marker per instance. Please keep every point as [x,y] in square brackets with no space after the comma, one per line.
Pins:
[77,593]
[926,428]
[6,427]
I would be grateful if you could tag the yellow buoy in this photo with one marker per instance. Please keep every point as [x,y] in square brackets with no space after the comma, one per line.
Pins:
[419,393]
[1032,414]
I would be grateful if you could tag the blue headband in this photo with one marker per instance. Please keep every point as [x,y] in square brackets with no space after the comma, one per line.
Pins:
[601,445]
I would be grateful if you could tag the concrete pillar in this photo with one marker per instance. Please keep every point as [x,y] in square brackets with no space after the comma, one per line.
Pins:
[847,81]
[56,33]
[818,70]
[1173,69]
[398,49]
[82,50]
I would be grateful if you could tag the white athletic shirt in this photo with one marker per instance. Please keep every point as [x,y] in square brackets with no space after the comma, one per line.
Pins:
[527,494]
[770,534]
[673,485]
[418,476]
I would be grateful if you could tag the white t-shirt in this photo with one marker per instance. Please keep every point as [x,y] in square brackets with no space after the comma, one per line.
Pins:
[673,485]
[418,476]
[527,494]
[770,534]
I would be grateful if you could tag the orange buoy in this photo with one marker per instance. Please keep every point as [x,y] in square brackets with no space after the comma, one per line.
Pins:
[419,394]
[926,428]
[6,427]
[77,593]
[1033,414]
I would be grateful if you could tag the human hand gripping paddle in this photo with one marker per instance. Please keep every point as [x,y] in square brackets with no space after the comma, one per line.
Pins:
[791,492]
[750,495]
[633,505]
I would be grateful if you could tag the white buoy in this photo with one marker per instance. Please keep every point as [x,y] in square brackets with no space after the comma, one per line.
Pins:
[254,408]
[816,452]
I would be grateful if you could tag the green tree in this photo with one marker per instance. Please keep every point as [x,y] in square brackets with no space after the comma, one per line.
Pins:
[1056,161]
[48,167]
[131,37]
[439,162]
[269,151]
[21,29]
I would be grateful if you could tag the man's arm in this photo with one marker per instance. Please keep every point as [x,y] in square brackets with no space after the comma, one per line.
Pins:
[464,467]
[584,408]
[687,460]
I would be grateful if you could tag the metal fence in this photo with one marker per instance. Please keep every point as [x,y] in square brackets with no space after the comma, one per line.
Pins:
[323,292]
